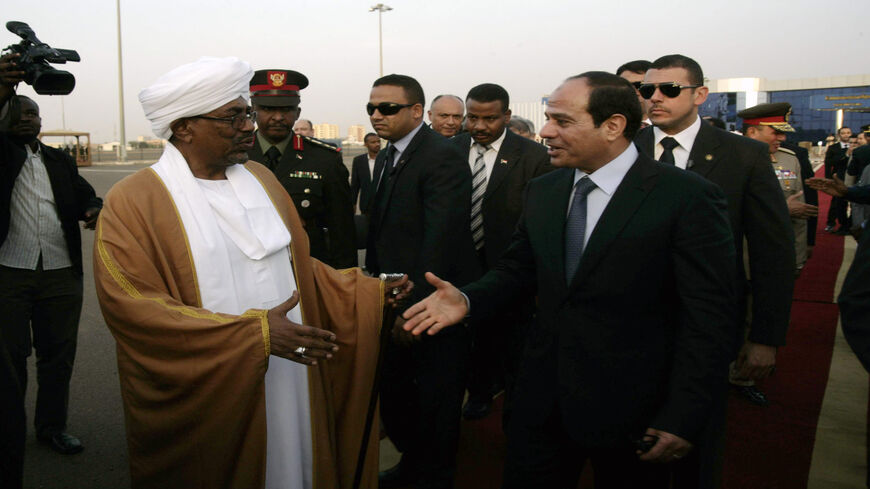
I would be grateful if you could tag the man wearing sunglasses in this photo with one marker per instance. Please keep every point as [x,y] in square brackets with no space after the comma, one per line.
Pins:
[311,171]
[758,215]
[419,221]
[634,71]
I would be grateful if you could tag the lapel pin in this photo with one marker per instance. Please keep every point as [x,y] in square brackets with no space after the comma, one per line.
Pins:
[709,157]
[503,162]
[298,156]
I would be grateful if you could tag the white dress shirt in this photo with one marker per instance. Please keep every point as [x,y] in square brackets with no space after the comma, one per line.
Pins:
[34,225]
[607,179]
[686,138]
[488,156]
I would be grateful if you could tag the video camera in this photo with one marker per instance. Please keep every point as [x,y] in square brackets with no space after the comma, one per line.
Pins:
[35,58]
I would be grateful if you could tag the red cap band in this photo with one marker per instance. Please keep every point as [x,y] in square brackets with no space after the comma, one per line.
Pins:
[283,88]
[779,119]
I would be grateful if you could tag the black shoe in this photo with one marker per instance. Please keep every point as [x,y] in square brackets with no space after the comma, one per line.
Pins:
[752,394]
[476,409]
[62,443]
[829,228]
[842,231]
[396,477]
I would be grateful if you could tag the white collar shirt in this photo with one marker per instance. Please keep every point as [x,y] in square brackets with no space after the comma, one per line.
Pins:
[489,155]
[606,179]
[686,138]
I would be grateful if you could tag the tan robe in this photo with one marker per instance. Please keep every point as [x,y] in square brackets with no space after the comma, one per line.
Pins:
[192,380]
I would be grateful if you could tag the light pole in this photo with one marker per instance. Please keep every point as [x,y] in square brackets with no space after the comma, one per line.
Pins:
[123,143]
[381,8]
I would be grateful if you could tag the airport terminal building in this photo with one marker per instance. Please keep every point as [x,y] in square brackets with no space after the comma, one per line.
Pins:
[819,105]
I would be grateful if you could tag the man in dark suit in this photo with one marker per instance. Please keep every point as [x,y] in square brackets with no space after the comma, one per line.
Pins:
[632,263]
[311,171]
[42,200]
[836,160]
[419,221]
[361,172]
[758,215]
[501,164]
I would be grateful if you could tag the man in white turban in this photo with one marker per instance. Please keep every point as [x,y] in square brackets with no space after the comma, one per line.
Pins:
[203,273]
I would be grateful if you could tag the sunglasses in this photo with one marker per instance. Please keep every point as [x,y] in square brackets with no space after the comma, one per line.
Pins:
[386,108]
[669,90]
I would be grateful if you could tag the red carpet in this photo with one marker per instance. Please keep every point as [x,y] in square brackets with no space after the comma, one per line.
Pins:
[767,448]
[772,447]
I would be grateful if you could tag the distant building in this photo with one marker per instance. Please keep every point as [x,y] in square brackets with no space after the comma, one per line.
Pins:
[326,131]
[533,111]
[819,105]
[356,133]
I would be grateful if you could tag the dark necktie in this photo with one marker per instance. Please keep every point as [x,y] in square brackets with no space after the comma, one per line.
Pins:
[478,187]
[384,178]
[575,227]
[273,156]
[668,144]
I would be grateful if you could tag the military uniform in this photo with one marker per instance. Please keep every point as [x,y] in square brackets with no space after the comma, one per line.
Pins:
[311,171]
[788,172]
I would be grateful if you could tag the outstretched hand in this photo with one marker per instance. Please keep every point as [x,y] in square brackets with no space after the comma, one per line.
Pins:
[834,186]
[800,210]
[287,337]
[444,307]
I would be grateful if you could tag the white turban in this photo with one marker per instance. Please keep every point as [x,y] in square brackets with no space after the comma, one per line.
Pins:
[194,89]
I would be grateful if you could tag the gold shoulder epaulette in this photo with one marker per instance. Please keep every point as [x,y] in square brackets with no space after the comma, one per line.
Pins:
[322,144]
[786,150]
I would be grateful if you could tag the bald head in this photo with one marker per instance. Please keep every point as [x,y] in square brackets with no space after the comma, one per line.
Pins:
[446,114]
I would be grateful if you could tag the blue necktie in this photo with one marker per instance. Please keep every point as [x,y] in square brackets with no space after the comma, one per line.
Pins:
[575,227]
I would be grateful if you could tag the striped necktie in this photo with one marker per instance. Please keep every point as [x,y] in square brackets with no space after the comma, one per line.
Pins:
[478,187]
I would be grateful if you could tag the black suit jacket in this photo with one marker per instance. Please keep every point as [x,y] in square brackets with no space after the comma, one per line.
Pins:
[835,161]
[811,196]
[420,220]
[323,203]
[643,334]
[73,195]
[518,161]
[758,213]
[854,298]
[361,181]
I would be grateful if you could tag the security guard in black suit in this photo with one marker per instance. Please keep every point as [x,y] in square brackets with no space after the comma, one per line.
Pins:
[311,170]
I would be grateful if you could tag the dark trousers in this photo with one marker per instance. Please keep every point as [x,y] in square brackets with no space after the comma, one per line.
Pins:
[12,426]
[421,390]
[837,212]
[40,309]
[544,457]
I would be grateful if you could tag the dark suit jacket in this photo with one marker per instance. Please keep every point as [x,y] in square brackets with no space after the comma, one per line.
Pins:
[854,298]
[322,203]
[811,196]
[835,161]
[73,195]
[643,333]
[758,213]
[420,220]
[361,181]
[518,161]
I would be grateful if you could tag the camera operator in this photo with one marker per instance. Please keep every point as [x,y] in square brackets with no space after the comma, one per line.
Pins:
[42,198]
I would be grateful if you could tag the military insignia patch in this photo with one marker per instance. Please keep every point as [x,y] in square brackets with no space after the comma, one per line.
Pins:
[277,78]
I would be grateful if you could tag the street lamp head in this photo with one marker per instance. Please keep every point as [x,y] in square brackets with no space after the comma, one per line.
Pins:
[380,8]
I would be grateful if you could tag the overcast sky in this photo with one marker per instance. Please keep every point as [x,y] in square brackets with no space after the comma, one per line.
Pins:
[449,46]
